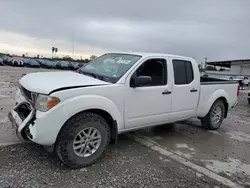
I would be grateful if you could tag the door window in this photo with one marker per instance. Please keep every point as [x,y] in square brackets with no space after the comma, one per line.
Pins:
[156,69]
[183,72]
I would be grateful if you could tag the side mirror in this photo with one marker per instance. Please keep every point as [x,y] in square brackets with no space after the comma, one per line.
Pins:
[141,81]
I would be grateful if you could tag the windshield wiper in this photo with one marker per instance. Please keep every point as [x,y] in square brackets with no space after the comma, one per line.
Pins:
[89,74]
[103,78]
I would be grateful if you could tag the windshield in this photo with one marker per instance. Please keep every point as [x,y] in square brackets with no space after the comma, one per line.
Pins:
[110,67]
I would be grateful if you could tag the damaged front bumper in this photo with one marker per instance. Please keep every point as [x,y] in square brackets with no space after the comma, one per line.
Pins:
[21,116]
[33,125]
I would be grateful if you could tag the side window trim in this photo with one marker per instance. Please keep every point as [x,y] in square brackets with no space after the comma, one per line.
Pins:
[165,70]
[192,71]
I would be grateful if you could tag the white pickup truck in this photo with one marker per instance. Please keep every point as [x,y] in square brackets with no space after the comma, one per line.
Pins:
[79,113]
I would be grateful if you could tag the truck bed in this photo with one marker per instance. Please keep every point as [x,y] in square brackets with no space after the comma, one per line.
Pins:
[213,87]
[213,81]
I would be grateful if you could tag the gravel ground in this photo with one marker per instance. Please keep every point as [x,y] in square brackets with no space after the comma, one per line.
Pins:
[129,164]
[126,164]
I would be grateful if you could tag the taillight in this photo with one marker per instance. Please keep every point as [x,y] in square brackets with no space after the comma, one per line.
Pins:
[238,91]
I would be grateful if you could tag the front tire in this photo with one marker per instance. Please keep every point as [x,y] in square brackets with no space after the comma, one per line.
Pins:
[215,116]
[82,140]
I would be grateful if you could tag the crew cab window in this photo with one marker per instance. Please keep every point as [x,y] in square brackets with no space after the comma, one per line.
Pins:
[156,69]
[183,72]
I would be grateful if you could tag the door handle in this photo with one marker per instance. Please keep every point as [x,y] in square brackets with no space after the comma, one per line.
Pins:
[193,90]
[166,92]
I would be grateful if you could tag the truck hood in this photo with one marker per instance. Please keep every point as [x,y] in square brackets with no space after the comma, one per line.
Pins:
[47,82]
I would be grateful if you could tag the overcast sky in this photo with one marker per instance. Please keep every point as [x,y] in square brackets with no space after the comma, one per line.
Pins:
[217,29]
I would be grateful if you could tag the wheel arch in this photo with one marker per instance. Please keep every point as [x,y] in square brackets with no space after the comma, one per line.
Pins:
[224,100]
[104,114]
[218,95]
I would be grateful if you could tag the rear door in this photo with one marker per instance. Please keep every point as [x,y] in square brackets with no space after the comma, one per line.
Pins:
[185,94]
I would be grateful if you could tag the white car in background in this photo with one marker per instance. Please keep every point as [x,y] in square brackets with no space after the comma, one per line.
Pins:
[17,62]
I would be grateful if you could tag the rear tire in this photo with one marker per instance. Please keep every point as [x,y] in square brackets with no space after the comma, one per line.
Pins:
[248,101]
[78,129]
[215,116]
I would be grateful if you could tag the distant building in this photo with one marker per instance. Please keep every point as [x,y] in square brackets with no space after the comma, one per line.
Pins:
[232,68]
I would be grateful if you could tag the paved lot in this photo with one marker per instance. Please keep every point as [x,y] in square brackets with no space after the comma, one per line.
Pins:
[179,155]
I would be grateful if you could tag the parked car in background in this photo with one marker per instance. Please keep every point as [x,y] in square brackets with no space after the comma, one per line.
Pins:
[77,114]
[82,64]
[17,62]
[63,65]
[51,64]
[14,62]
[7,60]
[246,82]
[76,65]
[43,63]
[1,61]
[242,80]
[31,63]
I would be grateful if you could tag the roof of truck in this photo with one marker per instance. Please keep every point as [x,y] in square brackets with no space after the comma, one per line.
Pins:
[147,54]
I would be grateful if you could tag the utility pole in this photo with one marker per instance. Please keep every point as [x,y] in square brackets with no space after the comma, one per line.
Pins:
[205,63]
[73,45]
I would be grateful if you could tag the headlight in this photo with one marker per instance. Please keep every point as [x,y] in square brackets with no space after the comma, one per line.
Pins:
[44,102]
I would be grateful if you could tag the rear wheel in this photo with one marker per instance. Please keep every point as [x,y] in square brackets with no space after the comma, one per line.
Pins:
[215,116]
[83,140]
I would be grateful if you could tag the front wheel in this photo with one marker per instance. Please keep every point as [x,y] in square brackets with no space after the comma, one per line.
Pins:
[215,116]
[82,140]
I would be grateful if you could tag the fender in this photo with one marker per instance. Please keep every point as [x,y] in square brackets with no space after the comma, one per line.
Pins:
[217,94]
[48,124]
[87,102]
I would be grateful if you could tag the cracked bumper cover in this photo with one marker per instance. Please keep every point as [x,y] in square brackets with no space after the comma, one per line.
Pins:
[38,127]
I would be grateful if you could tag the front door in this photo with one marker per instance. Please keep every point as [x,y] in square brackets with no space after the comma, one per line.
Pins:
[148,105]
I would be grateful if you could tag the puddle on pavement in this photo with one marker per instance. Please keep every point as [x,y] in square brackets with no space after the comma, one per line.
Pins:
[231,167]
[184,150]
[184,146]
[239,136]
[221,151]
